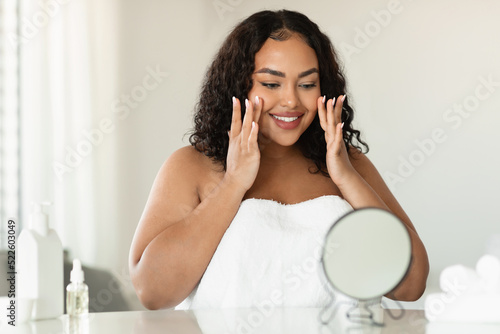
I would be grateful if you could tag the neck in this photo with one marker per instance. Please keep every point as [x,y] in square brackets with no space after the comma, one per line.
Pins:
[272,153]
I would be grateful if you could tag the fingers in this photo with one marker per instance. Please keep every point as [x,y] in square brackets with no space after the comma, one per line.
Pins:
[330,115]
[247,120]
[322,112]
[236,118]
[252,139]
[338,133]
[253,111]
[338,109]
[257,109]
[336,115]
[248,129]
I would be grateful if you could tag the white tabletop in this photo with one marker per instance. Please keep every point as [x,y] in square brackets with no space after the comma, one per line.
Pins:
[290,321]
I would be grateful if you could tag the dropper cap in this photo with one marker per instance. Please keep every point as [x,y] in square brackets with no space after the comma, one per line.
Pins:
[77,275]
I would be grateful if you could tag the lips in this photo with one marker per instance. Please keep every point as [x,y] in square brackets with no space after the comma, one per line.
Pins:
[287,121]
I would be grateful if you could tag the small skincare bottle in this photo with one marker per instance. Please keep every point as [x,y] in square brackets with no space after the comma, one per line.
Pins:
[77,292]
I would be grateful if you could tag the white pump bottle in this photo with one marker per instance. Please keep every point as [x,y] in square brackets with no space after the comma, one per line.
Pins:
[40,267]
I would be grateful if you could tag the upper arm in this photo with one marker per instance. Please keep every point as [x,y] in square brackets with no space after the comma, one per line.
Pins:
[369,173]
[173,196]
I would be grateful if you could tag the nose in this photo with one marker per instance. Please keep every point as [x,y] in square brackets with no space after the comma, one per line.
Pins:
[289,97]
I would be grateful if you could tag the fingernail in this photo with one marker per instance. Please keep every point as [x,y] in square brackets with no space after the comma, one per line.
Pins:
[246,103]
[234,101]
[324,99]
[253,124]
[256,100]
[333,102]
[343,98]
[342,125]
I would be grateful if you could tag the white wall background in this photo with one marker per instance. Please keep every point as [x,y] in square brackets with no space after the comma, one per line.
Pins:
[406,69]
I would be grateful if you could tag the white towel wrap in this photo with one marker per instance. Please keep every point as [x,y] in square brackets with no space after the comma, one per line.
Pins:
[270,256]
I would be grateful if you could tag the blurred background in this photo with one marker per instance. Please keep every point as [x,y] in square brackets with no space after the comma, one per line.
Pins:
[95,95]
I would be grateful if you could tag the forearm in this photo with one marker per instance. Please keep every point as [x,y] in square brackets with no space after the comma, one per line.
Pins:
[413,285]
[359,193]
[174,261]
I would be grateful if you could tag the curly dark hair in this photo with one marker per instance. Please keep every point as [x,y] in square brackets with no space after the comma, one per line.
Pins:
[230,75]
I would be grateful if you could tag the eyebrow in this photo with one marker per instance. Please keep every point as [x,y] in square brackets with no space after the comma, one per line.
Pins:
[282,75]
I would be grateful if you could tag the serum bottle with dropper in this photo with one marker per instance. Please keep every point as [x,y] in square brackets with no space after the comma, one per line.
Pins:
[77,292]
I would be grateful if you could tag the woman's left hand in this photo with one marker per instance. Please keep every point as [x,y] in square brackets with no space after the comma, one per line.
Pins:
[337,158]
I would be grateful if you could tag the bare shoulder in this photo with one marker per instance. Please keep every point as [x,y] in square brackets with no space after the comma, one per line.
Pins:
[189,167]
[361,163]
[187,155]
[188,160]
[368,171]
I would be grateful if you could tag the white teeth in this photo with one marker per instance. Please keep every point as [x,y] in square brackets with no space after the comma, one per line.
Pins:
[285,119]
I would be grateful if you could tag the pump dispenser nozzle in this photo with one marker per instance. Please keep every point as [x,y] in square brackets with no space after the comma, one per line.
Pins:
[39,220]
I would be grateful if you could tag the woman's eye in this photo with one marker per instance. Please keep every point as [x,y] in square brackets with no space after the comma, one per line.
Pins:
[270,85]
[308,86]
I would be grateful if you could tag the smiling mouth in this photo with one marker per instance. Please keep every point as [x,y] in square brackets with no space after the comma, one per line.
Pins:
[285,119]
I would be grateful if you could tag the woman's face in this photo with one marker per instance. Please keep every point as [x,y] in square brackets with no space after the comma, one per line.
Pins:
[286,79]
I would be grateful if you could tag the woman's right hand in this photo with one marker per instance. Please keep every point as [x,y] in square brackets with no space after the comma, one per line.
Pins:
[243,155]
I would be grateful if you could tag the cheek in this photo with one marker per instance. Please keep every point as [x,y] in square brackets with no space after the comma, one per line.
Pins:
[311,104]
[310,99]
[310,117]
[268,100]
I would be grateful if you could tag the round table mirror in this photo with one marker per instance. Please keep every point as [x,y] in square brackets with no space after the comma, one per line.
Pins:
[367,253]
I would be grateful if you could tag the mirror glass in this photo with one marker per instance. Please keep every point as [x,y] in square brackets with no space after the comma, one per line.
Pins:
[367,252]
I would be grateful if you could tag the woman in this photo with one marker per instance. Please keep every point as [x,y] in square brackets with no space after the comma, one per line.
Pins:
[235,219]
